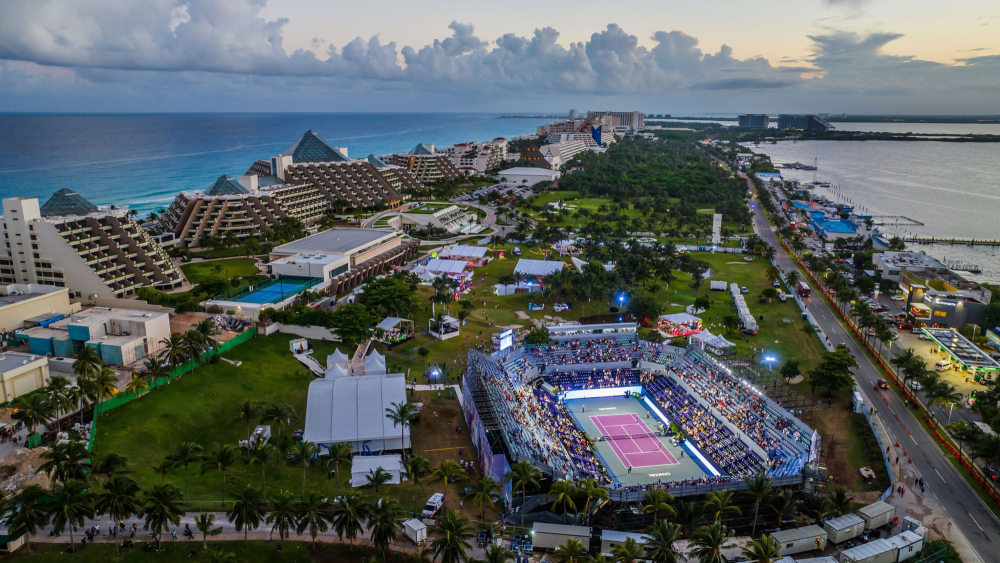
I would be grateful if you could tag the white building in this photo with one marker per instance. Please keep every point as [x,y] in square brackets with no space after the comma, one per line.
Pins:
[352,410]
[563,152]
[33,304]
[478,157]
[528,176]
[586,138]
[450,218]
[22,373]
[70,242]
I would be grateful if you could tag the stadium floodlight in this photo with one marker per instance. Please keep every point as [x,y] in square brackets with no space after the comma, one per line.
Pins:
[769,360]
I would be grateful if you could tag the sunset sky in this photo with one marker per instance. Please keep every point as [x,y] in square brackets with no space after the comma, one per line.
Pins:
[721,56]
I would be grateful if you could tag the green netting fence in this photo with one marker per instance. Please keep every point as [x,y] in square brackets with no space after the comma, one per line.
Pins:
[122,398]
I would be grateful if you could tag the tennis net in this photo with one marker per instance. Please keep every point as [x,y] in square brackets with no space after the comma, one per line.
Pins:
[640,435]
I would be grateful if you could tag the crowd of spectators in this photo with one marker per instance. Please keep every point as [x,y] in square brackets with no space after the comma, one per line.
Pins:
[572,352]
[573,440]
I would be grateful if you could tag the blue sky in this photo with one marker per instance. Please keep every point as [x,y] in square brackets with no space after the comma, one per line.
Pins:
[854,56]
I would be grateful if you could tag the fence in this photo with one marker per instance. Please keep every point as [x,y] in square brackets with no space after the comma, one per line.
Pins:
[638,494]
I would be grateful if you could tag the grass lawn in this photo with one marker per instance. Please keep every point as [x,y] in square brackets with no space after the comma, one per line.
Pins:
[197,272]
[177,551]
[201,407]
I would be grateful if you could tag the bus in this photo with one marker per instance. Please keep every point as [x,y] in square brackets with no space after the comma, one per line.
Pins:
[803,289]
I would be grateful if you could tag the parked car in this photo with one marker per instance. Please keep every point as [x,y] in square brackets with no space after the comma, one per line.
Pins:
[905,326]
[880,309]
[992,472]
[943,365]
[898,298]
[560,307]
[915,385]
[744,290]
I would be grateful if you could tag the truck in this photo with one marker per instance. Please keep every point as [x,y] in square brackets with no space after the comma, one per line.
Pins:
[803,289]
[415,530]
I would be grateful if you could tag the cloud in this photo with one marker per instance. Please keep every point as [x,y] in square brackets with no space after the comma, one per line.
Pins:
[847,3]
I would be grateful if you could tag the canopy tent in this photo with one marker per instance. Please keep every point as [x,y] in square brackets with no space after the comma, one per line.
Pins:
[395,329]
[337,370]
[450,267]
[364,465]
[711,342]
[337,357]
[537,268]
[375,364]
[464,252]
[352,410]
[449,328]
[679,324]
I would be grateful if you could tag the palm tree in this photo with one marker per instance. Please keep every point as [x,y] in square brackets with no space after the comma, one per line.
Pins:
[376,478]
[154,369]
[402,415]
[963,432]
[719,503]
[448,471]
[88,362]
[485,493]
[764,550]
[313,514]
[221,459]
[417,468]
[521,476]
[338,453]
[194,343]
[111,464]
[687,516]
[817,508]
[161,508]
[33,410]
[69,506]
[660,542]
[137,385]
[628,552]
[773,274]
[262,453]
[30,512]
[278,416]
[186,454]
[219,556]
[905,357]
[347,517]
[282,516]
[498,554]
[61,396]
[384,524]
[247,512]
[759,489]
[784,505]
[562,493]
[792,278]
[175,350]
[119,500]
[205,522]
[164,468]
[657,501]
[66,461]
[708,542]
[593,490]
[105,386]
[841,501]
[452,544]
[208,332]
[571,552]
[303,454]
[249,411]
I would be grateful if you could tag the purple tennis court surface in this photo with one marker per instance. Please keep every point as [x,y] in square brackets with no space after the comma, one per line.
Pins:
[629,437]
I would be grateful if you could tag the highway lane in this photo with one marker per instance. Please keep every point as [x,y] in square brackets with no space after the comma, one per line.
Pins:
[960,502]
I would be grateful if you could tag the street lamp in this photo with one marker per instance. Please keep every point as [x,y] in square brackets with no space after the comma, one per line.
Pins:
[769,360]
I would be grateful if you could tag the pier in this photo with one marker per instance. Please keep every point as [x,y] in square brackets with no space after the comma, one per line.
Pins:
[895,220]
[945,240]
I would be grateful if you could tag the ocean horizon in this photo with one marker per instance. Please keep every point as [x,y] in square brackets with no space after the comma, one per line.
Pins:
[143,160]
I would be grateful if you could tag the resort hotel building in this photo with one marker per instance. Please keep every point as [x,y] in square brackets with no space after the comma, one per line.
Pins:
[334,261]
[308,180]
[425,164]
[93,251]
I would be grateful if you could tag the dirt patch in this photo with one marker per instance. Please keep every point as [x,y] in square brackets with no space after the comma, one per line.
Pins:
[186,321]
[20,469]
[744,263]
[522,315]
[505,327]
[842,455]
[797,379]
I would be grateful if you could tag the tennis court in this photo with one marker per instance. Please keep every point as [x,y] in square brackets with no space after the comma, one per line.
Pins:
[632,441]
[277,290]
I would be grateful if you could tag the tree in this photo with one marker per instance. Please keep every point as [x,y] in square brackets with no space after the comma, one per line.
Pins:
[841,502]
[628,552]
[247,512]
[702,302]
[221,459]
[592,490]
[161,508]
[644,308]
[991,316]
[562,493]
[33,410]
[347,517]
[709,541]
[963,432]
[205,523]
[385,524]
[219,556]
[521,476]
[764,550]
[69,506]
[186,454]
[119,500]
[784,505]
[498,554]
[262,453]
[164,468]
[660,542]
[485,493]
[105,386]
[731,323]
[719,503]
[88,362]
[759,489]
[452,544]
[313,514]
[769,293]
[538,337]
[66,461]
[833,371]
[302,454]
[792,278]
[402,414]
[687,517]
[657,502]
[416,467]
[137,386]
[248,411]
[376,478]
[282,516]
[338,453]
[30,512]
[175,350]
[817,508]
[278,416]
[352,322]
[448,471]
[570,552]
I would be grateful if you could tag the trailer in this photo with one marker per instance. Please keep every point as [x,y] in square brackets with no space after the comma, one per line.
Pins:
[799,540]
[907,545]
[875,551]
[613,538]
[843,528]
[415,530]
[877,514]
[550,536]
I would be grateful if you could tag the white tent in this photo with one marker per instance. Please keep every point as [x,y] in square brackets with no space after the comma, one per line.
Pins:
[364,465]
[449,267]
[337,357]
[352,410]
[463,252]
[538,268]
[337,370]
[375,364]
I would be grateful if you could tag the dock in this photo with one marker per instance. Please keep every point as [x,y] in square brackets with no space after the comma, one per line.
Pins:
[895,220]
[945,240]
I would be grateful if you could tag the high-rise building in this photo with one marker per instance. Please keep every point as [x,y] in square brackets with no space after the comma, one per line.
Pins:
[754,121]
[572,114]
[425,164]
[91,250]
[803,122]
[633,120]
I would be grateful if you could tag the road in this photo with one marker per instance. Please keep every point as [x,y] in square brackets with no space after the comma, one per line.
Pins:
[959,501]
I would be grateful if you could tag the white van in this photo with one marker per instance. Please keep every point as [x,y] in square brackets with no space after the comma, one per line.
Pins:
[943,365]
[433,506]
